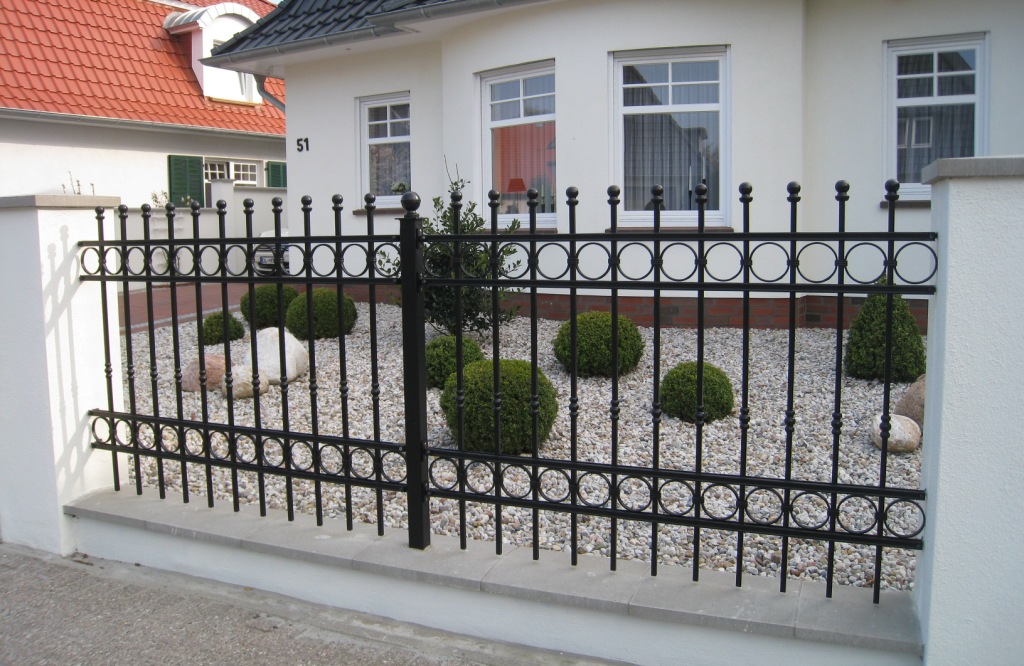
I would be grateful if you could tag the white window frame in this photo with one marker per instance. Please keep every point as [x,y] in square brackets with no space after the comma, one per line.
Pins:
[365,104]
[720,53]
[488,79]
[895,136]
[230,168]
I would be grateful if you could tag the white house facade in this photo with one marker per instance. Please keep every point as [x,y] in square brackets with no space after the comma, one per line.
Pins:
[556,93]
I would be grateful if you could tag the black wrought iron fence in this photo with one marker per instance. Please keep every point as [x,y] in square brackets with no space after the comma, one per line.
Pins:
[785,484]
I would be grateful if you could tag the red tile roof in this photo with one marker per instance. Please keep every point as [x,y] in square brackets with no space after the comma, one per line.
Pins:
[114,59]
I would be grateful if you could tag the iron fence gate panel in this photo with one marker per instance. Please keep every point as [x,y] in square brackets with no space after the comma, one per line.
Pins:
[633,490]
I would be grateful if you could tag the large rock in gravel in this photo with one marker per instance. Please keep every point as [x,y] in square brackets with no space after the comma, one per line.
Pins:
[241,382]
[268,355]
[214,372]
[911,404]
[904,433]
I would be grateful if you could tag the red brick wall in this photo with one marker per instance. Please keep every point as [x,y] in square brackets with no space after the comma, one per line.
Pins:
[811,311]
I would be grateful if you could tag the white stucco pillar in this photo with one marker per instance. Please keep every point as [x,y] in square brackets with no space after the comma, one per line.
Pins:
[53,366]
[968,576]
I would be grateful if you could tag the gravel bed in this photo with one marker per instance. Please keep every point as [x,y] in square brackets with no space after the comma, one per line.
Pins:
[859,461]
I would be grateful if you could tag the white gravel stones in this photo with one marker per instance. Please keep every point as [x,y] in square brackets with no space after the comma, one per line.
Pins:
[380,391]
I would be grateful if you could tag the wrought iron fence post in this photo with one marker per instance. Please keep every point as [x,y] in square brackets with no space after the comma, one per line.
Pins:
[414,365]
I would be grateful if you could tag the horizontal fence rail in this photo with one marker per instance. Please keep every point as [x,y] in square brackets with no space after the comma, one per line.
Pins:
[360,435]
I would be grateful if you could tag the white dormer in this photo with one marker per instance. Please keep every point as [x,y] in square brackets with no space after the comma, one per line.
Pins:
[210,27]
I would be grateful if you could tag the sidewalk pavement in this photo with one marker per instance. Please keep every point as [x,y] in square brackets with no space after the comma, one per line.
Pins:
[81,610]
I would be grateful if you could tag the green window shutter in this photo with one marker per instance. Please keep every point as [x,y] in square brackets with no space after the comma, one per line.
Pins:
[185,173]
[277,174]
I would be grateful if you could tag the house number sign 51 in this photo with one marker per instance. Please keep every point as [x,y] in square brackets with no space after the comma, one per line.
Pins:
[302,145]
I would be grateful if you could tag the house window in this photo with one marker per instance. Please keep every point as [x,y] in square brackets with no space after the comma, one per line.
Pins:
[387,148]
[671,132]
[937,93]
[519,140]
[243,173]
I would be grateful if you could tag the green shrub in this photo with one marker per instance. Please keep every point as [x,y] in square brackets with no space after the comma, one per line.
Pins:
[475,313]
[516,417]
[440,353]
[265,315]
[865,345]
[594,344]
[326,322]
[216,329]
[679,392]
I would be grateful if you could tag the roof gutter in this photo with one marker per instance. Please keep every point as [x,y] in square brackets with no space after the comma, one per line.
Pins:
[124,123]
[261,88]
[381,25]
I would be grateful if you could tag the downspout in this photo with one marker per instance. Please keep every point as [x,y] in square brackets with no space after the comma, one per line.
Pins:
[261,83]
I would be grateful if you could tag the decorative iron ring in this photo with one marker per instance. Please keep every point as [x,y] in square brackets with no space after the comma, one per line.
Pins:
[545,488]
[810,525]
[710,511]
[855,247]
[607,260]
[636,507]
[389,455]
[935,263]
[649,262]
[897,533]
[581,493]
[664,252]
[432,473]
[739,254]
[777,513]
[561,248]
[505,477]
[873,514]
[662,494]
[835,259]
[760,247]
[489,476]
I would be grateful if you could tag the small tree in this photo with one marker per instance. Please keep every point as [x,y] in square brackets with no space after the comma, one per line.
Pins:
[865,346]
[440,309]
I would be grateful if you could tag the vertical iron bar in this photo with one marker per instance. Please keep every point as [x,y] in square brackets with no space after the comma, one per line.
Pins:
[572,200]
[250,260]
[790,423]
[842,196]
[224,270]
[286,444]
[172,261]
[891,196]
[745,199]
[371,269]
[496,365]
[339,267]
[531,202]
[701,190]
[122,213]
[158,435]
[200,336]
[415,371]
[108,368]
[460,380]
[311,341]
[613,407]
[657,265]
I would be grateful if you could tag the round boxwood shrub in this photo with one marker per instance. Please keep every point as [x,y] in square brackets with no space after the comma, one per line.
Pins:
[265,305]
[865,345]
[516,417]
[679,392]
[440,353]
[594,344]
[216,329]
[326,322]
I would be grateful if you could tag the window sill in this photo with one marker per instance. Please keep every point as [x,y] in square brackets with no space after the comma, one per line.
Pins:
[718,229]
[386,210]
[924,204]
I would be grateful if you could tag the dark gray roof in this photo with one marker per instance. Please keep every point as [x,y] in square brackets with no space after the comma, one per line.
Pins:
[296,21]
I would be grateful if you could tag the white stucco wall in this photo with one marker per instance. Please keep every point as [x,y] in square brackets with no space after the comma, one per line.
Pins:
[844,82]
[123,161]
